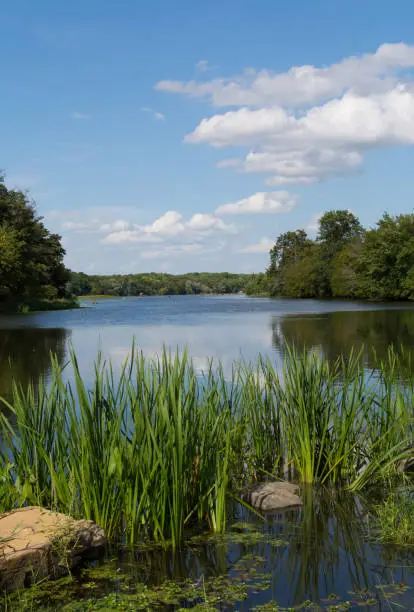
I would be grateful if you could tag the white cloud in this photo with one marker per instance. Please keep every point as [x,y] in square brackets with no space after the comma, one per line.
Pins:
[309,123]
[95,225]
[204,66]
[301,166]
[352,120]
[157,115]
[115,226]
[77,226]
[128,236]
[263,246]
[207,223]
[229,163]
[260,203]
[80,116]
[325,140]
[169,226]
[172,251]
[301,85]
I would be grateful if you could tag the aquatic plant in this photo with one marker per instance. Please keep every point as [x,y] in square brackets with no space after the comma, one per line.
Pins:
[394,519]
[150,451]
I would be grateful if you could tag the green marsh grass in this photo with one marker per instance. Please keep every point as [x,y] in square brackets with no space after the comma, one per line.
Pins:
[394,519]
[157,448]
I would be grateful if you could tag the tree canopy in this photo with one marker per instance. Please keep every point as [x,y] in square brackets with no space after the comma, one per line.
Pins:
[344,260]
[31,258]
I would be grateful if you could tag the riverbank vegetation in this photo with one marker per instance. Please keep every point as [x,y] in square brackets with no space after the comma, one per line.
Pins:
[32,273]
[155,283]
[160,447]
[345,260]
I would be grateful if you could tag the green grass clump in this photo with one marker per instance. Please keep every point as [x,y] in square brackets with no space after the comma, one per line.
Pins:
[149,452]
[395,520]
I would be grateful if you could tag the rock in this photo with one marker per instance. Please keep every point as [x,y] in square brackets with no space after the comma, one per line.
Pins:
[406,465]
[273,496]
[36,543]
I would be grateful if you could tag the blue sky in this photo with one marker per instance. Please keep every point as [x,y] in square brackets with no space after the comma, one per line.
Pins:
[160,136]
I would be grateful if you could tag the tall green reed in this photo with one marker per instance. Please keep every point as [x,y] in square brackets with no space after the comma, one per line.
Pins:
[155,448]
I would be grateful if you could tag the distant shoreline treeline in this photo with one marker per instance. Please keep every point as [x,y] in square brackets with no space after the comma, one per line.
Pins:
[153,283]
[345,260]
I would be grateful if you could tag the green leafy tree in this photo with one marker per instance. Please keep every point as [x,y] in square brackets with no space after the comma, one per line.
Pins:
[300,279]
[345,271]
[345,260]
[289,249]
[387,259]
[79,284]
[337,228]
[31,258]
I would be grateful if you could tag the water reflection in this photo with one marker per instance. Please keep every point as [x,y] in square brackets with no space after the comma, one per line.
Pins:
[325,550]
[225,329]
[25,355]
[337,333]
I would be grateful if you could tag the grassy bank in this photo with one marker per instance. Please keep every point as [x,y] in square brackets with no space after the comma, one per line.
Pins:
[25,305]
[149,453]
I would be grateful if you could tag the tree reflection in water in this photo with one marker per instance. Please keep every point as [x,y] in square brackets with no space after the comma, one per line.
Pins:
[337,333]
[25,355]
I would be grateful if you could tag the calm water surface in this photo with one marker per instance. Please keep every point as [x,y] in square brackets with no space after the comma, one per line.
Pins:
[223,327]
[325,549]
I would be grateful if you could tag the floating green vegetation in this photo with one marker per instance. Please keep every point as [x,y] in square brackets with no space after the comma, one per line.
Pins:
[382,595]
[207,593]
[250,538]
[150,452]
[243,526]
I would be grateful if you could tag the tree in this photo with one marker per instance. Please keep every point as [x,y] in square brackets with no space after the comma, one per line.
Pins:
[79,284]
[289,249]
[345,270]
[387,259]
[337,228]
[31,258]
[300,278]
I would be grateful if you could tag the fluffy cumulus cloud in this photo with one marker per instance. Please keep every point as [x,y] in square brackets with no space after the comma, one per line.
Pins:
[169,227]
[170,242]
[309,123]
[260,203]
[301,85]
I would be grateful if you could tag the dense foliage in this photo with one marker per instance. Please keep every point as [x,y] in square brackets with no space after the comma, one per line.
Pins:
[157,284]
[344,261]
[31,258]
